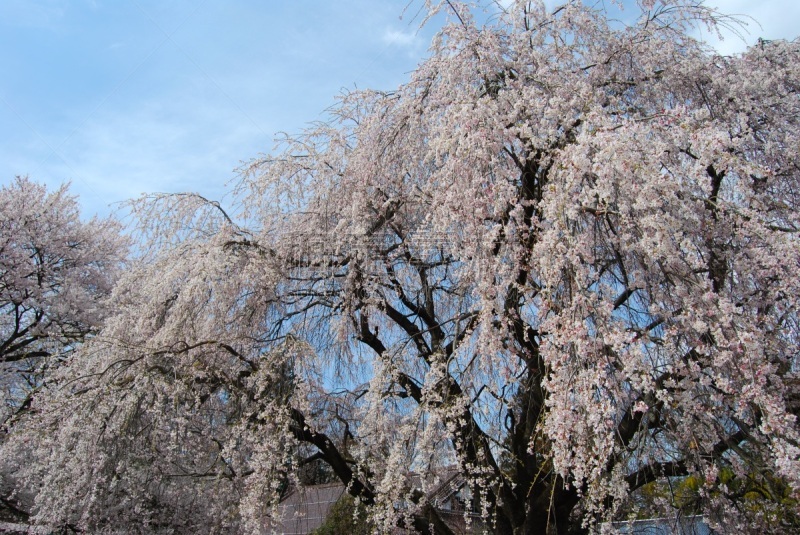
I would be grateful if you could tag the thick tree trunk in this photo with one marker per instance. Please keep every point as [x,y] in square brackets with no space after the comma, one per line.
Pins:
[552,519]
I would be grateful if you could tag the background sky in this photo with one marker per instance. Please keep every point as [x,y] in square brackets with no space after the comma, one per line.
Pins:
[122,97]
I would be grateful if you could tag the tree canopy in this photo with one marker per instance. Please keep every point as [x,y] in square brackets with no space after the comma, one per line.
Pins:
[55,273]
[562,258]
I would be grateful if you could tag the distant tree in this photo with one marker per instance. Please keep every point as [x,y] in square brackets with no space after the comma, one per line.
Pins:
[345,517]
[767,500]
[56,272]
[563,259]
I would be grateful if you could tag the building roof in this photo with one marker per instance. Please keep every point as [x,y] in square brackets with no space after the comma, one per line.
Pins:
[679,525]
[305,508]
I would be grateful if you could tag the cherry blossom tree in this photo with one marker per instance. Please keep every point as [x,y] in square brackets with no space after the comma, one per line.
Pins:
[55,271]
[561,259]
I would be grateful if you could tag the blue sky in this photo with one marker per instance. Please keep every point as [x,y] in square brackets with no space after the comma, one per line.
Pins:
[122,97]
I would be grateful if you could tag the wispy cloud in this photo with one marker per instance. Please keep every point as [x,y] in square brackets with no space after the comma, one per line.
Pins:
[173,144]
[33,13]
[400,38]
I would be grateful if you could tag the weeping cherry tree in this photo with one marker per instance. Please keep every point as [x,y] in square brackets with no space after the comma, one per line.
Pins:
[562,260]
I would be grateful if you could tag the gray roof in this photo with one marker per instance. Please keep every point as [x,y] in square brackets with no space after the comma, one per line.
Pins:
[680,525]
[305,508]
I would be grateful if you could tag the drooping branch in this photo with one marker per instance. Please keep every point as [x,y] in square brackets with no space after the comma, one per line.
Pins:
[332,456]
[654,472]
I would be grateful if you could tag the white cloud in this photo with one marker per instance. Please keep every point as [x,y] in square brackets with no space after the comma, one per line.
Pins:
[174,142]
[33,13]
[400,38]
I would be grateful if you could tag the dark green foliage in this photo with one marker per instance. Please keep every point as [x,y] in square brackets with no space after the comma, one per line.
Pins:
[345,517]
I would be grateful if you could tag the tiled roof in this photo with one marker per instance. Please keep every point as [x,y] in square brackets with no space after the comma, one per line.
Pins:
[305,509]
